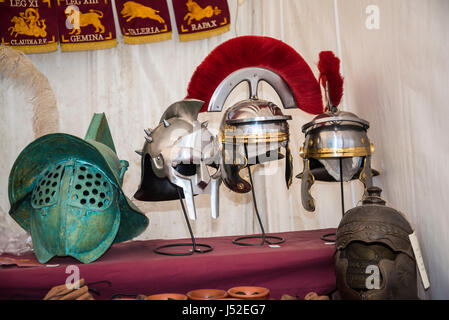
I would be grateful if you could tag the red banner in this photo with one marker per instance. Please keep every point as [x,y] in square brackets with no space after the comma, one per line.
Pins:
[144,21]
[198,19]
[85,24]
[29,25]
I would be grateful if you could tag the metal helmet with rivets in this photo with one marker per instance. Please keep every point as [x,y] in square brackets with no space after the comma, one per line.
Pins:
[336,145]
[180,153]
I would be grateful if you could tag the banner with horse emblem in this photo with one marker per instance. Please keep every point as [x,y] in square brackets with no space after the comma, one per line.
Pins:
[143,21]
[198,19]
[29,25]
[86,24]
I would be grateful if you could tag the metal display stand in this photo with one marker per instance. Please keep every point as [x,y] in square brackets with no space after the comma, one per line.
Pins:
[195,246]
[326,237]
[265,238]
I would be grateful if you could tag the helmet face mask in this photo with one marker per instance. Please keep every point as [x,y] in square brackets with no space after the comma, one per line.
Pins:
[397,273]
[91,196]
[179,150]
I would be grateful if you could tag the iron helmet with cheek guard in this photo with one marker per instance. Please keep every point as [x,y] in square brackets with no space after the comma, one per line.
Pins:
[256,125]
[180,153]
[252,132]
[336,145]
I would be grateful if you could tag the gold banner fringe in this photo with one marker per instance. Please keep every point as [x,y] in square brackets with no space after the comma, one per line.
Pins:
[204,34]
[149,38]
[88,45]
[49,47]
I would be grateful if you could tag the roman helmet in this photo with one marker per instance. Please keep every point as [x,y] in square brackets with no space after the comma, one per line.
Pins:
[336,145]
[252,131]
[180,153]
[67,192]
[373,239]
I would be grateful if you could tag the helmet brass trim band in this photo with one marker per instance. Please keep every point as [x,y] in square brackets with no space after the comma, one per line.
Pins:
[336,152]
[254,138]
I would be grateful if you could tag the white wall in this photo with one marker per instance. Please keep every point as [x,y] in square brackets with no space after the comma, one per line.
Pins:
[395,77]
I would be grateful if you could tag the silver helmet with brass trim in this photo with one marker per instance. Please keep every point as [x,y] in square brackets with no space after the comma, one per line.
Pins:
[333,139]
[252,132]
[180,153]
[336,146]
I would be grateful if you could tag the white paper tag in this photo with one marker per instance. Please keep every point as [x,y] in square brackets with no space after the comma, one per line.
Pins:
[274,246]
[419,260]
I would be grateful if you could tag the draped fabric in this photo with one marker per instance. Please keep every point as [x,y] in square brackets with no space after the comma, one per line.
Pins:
[395,77]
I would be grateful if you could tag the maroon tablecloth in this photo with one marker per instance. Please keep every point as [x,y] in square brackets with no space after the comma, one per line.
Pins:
[302,264]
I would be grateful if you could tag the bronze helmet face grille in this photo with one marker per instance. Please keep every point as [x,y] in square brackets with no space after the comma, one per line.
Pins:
[91,188]
[46,191]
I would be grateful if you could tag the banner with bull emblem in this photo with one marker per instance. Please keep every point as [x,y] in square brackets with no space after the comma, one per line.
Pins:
[86,24]
[198,19]
[144,21]
[29,25]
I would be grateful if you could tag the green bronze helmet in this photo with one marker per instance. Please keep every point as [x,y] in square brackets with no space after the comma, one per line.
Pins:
[67,193]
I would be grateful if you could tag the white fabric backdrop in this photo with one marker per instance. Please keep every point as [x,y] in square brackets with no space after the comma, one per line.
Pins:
[395,77]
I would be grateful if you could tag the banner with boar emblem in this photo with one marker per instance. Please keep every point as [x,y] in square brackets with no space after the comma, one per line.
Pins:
[198,19]
[86,24]
[29,25]
[143,21]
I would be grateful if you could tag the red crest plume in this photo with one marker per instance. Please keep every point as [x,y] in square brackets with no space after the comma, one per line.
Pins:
[329,66]
[256,51]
